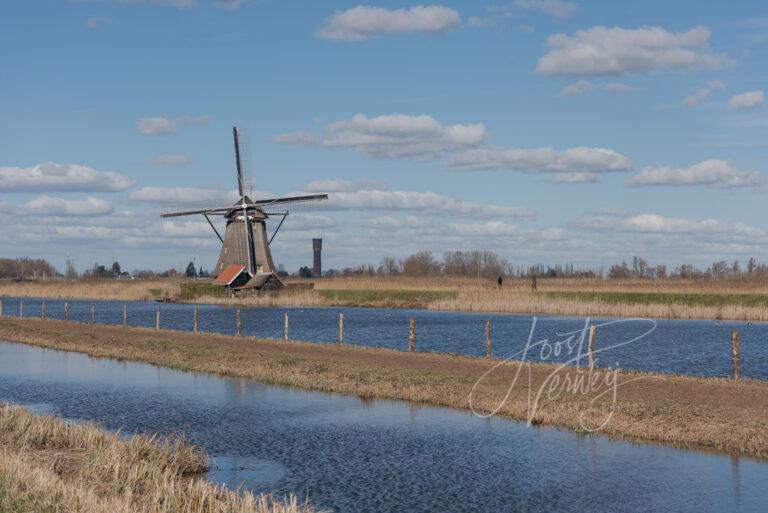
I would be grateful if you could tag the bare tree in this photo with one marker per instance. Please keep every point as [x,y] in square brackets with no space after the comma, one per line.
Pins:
[389,266]
[421,264]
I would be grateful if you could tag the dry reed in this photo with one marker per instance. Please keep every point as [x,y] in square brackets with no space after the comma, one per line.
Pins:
[128,290]
[47,464]
[527,302]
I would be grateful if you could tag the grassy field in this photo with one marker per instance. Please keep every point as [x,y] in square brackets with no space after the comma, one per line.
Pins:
[714,414]
[664,298]
[49,465]
[686,299]
[385,298]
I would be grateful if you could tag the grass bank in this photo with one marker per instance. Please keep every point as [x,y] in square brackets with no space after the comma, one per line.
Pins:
[665,298]
[713,414]
[49,465]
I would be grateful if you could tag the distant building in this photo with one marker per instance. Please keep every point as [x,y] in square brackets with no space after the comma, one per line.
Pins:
[317,266]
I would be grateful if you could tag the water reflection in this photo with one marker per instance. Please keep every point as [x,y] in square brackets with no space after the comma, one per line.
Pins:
[346,454]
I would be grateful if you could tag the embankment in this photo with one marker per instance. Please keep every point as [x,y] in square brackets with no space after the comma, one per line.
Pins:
[714,414]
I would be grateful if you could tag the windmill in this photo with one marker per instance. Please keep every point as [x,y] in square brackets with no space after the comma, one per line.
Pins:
[245,260]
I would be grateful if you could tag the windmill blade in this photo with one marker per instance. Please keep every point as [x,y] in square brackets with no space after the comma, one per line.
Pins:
[243,161]
[236,136]
[292,203]
[219,210]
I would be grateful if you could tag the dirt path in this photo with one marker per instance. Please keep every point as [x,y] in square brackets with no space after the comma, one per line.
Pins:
[706,413]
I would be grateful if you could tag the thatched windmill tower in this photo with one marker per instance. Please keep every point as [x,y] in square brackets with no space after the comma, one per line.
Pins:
[245,260]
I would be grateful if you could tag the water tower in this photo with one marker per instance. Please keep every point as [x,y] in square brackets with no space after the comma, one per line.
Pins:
[317,267]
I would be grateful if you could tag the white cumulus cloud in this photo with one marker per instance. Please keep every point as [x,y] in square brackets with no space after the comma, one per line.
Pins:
[576,177]
[661,225]
[617,51]
[178,195]
[542,160]
[158,125]
[427,202]
[362,22]
[393,136]
[708,172]
[747,100]
[578,87]
[52,206]
[51,176]
[699,96]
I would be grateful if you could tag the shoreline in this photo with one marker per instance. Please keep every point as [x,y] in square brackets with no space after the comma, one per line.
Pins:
[707,413]
[50,464]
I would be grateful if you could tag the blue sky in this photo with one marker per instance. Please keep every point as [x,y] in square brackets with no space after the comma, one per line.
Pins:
[546,130]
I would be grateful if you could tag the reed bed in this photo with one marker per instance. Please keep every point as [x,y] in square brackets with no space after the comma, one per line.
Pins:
[47,464]
[506,301]
[674,298]
[710,413]
[127,290]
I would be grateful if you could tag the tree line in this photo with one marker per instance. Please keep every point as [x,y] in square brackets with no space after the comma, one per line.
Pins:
[474,263]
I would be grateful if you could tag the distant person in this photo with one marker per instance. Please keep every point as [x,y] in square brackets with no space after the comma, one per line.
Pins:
[533,283]
[500,281]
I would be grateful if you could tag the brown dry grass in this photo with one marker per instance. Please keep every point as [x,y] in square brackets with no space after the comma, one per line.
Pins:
[707,413]
[128,290]
[525,301]
[544,284]
[47,464]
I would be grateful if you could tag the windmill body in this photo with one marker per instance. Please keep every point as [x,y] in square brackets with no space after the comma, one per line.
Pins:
[245,261]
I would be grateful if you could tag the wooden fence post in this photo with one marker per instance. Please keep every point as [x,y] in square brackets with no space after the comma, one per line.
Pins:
[237,319]
[195,320]
[411,330]
[42,310]
[157,318]
[66,311]
[21,308]
[487,339]
[735,360]
[285,327]
[125,315]
[591,346]
[341,329]
[93,313]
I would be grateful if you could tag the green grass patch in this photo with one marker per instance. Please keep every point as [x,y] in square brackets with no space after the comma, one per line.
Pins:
[156,293]
[355,297]
[192,290]
[663,298]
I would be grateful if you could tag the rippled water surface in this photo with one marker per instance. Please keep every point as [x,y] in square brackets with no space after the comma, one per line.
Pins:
[699,348]
[345,454]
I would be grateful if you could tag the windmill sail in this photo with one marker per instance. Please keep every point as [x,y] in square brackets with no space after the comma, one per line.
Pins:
[238,162]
